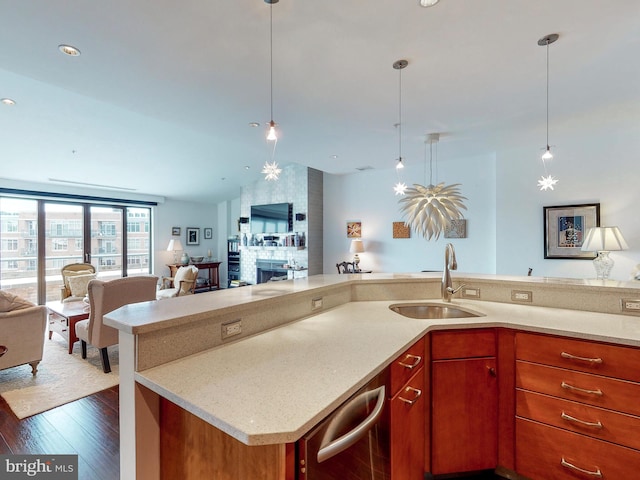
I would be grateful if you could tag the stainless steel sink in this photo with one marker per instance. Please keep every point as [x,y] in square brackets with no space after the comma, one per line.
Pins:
[433,311]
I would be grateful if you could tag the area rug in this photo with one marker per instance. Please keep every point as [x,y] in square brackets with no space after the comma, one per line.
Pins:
[61,378]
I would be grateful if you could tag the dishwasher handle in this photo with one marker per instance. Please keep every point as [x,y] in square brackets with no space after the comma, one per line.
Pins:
[332,446]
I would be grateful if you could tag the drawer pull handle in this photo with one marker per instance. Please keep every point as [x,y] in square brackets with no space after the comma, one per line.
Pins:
[417,394]
[581,390]
[591,473]
[416,361]
[582,359]
[596,424]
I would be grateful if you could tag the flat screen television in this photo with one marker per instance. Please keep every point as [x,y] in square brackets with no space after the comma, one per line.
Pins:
[272,218]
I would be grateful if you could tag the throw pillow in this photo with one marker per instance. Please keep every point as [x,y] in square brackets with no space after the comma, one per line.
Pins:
[74,273]
[10,302]
[78,284]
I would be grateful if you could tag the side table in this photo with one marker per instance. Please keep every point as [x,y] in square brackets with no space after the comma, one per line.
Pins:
[63,318]
[213,280]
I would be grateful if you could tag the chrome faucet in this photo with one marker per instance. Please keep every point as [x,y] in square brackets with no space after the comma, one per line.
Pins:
[449,264]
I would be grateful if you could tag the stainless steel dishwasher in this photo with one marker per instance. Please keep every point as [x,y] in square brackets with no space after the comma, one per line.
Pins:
[353,442]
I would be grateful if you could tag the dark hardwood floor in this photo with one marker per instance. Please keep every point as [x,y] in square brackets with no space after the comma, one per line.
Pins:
[87,427]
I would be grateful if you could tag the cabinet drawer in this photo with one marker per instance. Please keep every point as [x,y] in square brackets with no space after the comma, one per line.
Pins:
[540,451]
[463,344]
[403,368]
[581,355]
[408,429]
[580,418]
[604,392]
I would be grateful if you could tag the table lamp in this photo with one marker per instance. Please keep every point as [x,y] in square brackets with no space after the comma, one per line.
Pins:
[356,247]
[603,240]
[175,246]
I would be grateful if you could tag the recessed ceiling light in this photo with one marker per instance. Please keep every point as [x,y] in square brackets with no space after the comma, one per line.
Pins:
[334,156]
[8,101]
[69,50]
[428,3]
[254,124]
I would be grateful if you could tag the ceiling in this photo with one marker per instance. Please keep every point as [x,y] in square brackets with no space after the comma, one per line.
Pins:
[161,99]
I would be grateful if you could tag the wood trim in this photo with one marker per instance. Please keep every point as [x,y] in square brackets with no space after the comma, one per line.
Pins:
[506,398]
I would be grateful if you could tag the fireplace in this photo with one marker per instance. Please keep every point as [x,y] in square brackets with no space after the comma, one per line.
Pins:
[269,270]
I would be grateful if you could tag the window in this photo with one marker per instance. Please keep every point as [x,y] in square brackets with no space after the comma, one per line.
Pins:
[59,244]
[115,238]
[10,225]
[10,245]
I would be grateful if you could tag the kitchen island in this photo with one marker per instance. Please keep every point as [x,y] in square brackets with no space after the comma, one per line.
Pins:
[306,345]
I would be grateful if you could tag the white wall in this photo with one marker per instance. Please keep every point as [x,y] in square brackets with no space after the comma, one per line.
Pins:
[172,213]
[596,161]
[368,197]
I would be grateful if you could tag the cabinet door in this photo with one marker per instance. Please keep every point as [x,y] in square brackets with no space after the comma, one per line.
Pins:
[464,415]
[408,430]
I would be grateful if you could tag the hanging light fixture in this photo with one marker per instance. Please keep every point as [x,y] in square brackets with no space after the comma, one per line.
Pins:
[271,169]
[429,210]
[547,181]
[400,187]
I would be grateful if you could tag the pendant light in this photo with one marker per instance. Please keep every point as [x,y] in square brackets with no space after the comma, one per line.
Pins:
[271,169]
[400,187]
[430,210]
[547,181]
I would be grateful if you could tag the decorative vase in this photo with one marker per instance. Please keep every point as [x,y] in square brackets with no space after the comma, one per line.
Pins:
[244,239]
[184,259]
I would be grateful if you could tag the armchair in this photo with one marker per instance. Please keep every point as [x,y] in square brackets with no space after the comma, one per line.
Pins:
[76,277]
[22,330]
[183,283]
[105,297]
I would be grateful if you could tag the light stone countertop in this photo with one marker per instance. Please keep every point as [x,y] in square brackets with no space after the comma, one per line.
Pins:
[275,386]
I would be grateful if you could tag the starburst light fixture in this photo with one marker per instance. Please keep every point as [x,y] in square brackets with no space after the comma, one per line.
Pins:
[400,187]
[429,210]
[270,169]
[547,182]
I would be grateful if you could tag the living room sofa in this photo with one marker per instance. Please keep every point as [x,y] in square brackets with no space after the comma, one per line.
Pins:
[22,331]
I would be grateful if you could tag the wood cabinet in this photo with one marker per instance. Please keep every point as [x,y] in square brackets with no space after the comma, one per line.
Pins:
[577,409]
[464,401]
[408,408]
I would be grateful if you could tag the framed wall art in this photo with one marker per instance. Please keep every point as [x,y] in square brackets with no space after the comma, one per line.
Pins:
[175,231]
[401,230]
[456,229]
[193,236]
[565,227]
[354,229]
[208,233]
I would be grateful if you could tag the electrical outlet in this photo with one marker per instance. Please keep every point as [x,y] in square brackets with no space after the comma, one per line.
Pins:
[631,305]
[316,303]
[521,296]
[230,329]
[470,292]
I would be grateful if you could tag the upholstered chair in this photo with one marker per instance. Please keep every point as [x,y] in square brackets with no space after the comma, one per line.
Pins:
[76,277]
[105,297]
[183,283]
[22,329]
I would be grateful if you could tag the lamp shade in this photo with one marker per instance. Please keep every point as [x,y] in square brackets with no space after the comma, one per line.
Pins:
[604,239]
[174,245]
[356,246]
